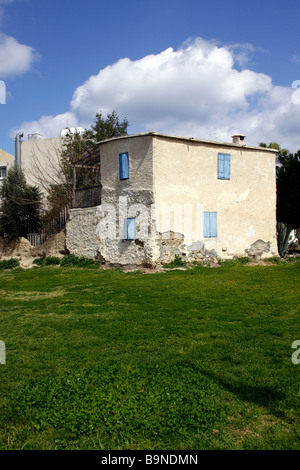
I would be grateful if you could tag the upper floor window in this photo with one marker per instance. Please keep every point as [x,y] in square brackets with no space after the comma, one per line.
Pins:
[2,171]
[124,166]
[224,166]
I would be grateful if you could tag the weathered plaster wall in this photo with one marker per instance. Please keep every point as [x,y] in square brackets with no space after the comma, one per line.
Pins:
[185,175]
[40,161]
[81,237]
[6,160]
[126,198]
[171,183]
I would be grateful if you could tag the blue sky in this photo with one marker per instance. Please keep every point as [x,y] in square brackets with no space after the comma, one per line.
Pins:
[199,68]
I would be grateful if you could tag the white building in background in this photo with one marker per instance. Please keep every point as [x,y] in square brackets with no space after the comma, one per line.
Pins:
[6,161]
[40,160]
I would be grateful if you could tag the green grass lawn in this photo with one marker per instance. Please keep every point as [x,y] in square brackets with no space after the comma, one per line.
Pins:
[195,359]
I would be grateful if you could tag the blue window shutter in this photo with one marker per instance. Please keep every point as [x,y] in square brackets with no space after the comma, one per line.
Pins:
[130,229]
[224,166]
[210,225]
[124,166]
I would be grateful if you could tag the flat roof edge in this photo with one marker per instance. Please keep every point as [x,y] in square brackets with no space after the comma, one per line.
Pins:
[189,139]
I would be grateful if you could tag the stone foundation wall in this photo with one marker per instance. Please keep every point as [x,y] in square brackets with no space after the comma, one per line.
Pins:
[81,236]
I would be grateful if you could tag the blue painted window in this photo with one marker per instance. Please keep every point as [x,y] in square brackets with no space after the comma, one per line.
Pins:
[210,225]
[124,166]
[129,229]
[224,166]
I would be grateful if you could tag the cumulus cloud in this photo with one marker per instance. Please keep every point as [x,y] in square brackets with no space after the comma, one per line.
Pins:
[203,90]
[197,82]
[15,58]
[49,126]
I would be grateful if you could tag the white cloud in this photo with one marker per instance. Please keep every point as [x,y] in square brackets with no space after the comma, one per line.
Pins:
[196,91]
[49,126]
[15,58]
[196,82]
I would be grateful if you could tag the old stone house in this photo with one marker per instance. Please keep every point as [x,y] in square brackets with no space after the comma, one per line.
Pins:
[165,195]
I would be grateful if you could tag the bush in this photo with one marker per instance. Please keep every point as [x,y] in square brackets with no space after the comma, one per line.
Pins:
[176,263]
[39,261]
[274,260]
[20,206]
[47,261]
[9,263]
[234,262]
[50,260]
[72,260]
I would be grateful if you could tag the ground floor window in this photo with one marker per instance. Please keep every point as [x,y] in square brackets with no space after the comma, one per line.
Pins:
[129,229]
[210,225]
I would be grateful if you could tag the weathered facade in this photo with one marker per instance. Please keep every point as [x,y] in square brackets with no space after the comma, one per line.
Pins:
[40,161]
[164,196]
[6,161]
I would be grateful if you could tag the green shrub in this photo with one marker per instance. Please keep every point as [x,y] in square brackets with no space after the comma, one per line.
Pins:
[72,260]
[243,260]
[274,260]
[47,261]
[9,263]
[52,260]
[39,261]
[176,263]
[234,261]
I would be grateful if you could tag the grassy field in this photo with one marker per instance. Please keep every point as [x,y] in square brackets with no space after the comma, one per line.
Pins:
[195,359]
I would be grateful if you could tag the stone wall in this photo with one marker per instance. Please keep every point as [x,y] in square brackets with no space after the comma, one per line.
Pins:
[81,236]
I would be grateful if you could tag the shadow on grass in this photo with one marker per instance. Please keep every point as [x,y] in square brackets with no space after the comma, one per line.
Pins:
[267,397]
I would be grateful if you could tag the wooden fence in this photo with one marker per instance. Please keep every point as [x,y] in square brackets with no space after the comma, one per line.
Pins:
[83,197]
[55,225]
[87,197]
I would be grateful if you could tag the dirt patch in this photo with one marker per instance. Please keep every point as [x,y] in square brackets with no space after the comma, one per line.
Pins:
[22,249]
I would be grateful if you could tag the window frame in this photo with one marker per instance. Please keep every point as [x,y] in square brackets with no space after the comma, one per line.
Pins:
[127,222]
[3,168]
[210,224]
[123,167]
[225,160]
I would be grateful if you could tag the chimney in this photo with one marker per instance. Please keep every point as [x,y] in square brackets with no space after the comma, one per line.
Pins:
[238,139]
[18,149]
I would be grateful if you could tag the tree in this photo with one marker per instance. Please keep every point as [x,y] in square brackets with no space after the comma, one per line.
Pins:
[20,207]
[107,128]
[282,153]
[288,191]
[76,146]
[288,198]
[288,194]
